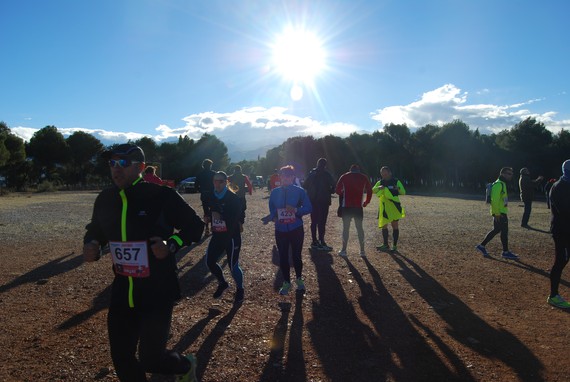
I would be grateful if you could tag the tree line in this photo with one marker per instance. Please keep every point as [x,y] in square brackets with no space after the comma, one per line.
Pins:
[451,157]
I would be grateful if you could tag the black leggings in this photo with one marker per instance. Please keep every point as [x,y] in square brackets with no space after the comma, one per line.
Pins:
[562,251]
[499,226]
[294,240]
[232,247]
[148,328]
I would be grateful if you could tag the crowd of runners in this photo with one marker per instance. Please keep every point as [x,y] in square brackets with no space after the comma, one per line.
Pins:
[144,224]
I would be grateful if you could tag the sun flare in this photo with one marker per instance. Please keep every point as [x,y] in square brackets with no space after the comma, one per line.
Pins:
[298,55]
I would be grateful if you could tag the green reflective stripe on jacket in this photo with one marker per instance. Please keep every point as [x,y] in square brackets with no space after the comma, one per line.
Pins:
[124,238]
[177,239]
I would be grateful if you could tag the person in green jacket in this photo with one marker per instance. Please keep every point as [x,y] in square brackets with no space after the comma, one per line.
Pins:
[499,212]
[390,210]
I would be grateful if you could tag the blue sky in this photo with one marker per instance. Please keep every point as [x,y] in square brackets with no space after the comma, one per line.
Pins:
[125,69]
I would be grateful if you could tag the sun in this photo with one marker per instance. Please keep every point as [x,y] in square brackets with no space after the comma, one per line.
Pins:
[298,55]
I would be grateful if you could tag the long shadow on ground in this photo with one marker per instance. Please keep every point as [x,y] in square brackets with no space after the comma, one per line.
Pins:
[44,272]
[352,351]
[468,328]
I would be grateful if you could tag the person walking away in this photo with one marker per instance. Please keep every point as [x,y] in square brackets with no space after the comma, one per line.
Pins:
[205,185]
[499,211]
[560,228]
[225,209]
[150,175]
[287,205]
[238,181]
[527,186]
[138,221]
[390,210]
[350,188]
[319,185]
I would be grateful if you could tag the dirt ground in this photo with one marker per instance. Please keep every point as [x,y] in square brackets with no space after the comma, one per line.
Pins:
[435,311]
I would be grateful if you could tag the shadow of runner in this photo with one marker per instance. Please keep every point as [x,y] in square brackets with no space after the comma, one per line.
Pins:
[273,370]
[100,302]
[417,360]
[43,272]
[205,352]
[348,349]
[468,328]
[295,367]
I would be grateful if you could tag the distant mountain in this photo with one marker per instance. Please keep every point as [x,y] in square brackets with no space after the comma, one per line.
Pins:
[236,154]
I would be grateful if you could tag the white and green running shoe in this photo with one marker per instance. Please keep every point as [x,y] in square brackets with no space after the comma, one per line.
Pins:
[558,302]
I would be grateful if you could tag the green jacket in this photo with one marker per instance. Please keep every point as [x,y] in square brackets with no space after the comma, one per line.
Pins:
[499,198]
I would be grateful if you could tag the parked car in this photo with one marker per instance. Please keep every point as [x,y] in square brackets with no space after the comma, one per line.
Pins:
[187,185]
[258,182]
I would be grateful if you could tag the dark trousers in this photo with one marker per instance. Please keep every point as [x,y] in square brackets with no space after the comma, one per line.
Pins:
[294,240]
[147,328]
[319,216]
[232,248]
[562,253]
[526,213]
[501,226]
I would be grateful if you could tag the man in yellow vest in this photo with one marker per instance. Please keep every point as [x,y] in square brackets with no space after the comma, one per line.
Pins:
[499,211]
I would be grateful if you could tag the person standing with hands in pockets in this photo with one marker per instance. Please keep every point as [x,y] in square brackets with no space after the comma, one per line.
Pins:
[287,205]
[138,221]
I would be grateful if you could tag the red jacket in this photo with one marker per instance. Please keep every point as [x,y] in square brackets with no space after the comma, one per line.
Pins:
[351,186]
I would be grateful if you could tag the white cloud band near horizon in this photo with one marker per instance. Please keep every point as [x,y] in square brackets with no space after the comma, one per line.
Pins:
[254,127]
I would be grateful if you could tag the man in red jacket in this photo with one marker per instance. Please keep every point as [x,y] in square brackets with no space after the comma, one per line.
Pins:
[350,187]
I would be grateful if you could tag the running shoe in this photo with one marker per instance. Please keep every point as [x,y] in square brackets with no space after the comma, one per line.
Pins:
[509,255]
[394,248]
[362,254]
[483,250]
[284,291]
[342,253]
[325,247]
[300,285]
[558,302]
[221,289]
[190,375]
[316,245]
[383,247]
[239,296]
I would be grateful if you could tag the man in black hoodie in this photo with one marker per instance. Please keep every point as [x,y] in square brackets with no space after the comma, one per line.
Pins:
[319,185]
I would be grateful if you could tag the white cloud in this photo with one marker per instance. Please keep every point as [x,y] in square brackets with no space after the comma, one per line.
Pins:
[253,127]
[242,130]
[448,103]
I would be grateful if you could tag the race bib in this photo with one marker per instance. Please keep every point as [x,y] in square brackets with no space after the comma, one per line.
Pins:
[285,217]
[219,225]
[130,258]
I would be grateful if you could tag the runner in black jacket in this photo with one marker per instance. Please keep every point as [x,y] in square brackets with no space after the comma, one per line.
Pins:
[560,227]
[137,219]
[224,213]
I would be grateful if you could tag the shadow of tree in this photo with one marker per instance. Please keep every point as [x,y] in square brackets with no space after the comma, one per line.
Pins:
[468,328]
